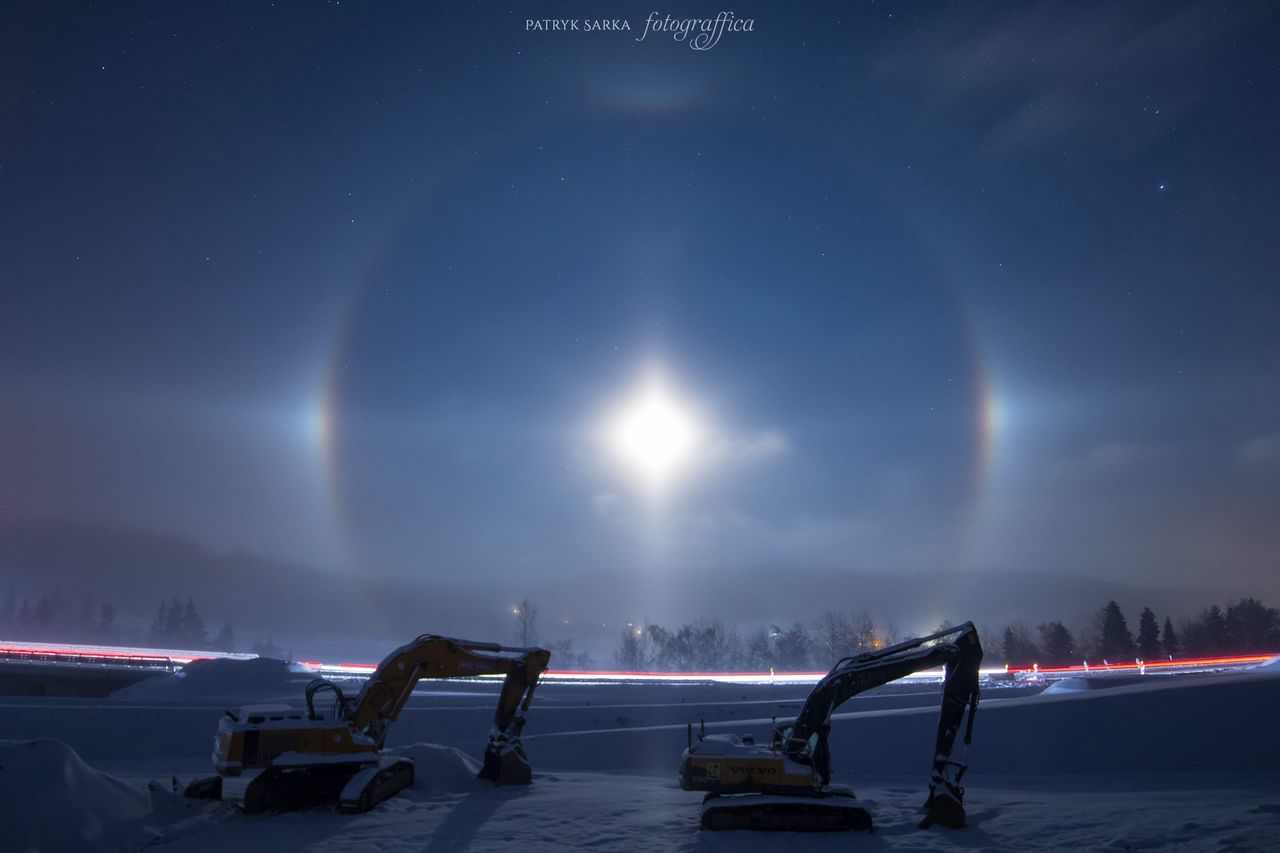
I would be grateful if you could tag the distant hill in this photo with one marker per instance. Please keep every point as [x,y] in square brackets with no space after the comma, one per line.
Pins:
[136,570]
[312,611]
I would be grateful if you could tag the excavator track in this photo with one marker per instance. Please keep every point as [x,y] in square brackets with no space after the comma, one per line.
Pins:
[352,788]
[374,784]
[282,789]
[826,811]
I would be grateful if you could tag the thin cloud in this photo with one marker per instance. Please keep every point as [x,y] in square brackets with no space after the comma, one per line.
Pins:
[604,503]
[1052,72]
[1122,454]
[764,444]
[1262,451]
[749,447]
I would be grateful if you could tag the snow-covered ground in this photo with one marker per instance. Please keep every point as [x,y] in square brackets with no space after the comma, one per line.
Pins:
[1166,763]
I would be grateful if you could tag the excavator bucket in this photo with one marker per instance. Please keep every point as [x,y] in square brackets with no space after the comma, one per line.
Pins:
[943,809]
[208,788]
[506,764]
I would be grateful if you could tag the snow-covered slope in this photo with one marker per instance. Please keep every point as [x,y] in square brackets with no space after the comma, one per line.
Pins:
[1185,763]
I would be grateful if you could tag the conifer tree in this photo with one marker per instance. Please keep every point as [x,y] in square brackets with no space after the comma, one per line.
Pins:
[1249,625]
[1115,641]
[44,617]
[1169,639]
[1057,645]
[226,639]
[1148,635]
[9,610]
[191,627]
[25,617]
[159,625]
[173,623]
[106,622]
[267,649]
[85,623]
[1209,634]
[1018,647]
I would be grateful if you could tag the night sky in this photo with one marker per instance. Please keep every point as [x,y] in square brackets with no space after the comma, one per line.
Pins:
[361,286]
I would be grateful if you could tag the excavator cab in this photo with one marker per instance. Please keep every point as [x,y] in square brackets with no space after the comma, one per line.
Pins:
[798,748]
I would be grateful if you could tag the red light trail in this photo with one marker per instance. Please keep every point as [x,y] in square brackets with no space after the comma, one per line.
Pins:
[174,658]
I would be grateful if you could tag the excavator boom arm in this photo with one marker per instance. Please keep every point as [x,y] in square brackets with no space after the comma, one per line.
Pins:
[385,693]
[960,656]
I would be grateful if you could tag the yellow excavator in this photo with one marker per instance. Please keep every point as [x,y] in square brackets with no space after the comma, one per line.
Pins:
[279,758]
[787,785]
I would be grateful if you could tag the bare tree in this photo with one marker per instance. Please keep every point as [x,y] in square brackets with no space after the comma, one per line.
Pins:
[892,634]
[833,636]
[864,631]
[673,651]
[760,652]
[526,622]
[944,625]
[633,653]
[794,648]
[716,648]
[565,657]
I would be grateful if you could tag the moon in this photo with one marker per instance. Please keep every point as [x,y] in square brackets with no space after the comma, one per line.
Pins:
[655,434]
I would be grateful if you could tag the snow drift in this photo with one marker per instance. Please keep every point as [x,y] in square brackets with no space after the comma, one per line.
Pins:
[441,769]
[53,801]
[239,682]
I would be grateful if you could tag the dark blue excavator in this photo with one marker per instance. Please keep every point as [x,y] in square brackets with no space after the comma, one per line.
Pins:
[787,785]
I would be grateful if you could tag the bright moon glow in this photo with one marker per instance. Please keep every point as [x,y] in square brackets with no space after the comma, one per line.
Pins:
[655,434]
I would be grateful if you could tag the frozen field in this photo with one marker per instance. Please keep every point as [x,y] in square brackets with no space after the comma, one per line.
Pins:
[1174,763]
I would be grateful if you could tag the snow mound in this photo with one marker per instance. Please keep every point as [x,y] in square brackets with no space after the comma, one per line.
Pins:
[224,679]
[51,801]
[1070,685]
[1079,683]
[440,769]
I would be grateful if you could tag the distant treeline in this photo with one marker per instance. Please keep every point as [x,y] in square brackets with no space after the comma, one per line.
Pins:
[708,645]
[1245,627]
[55,618]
